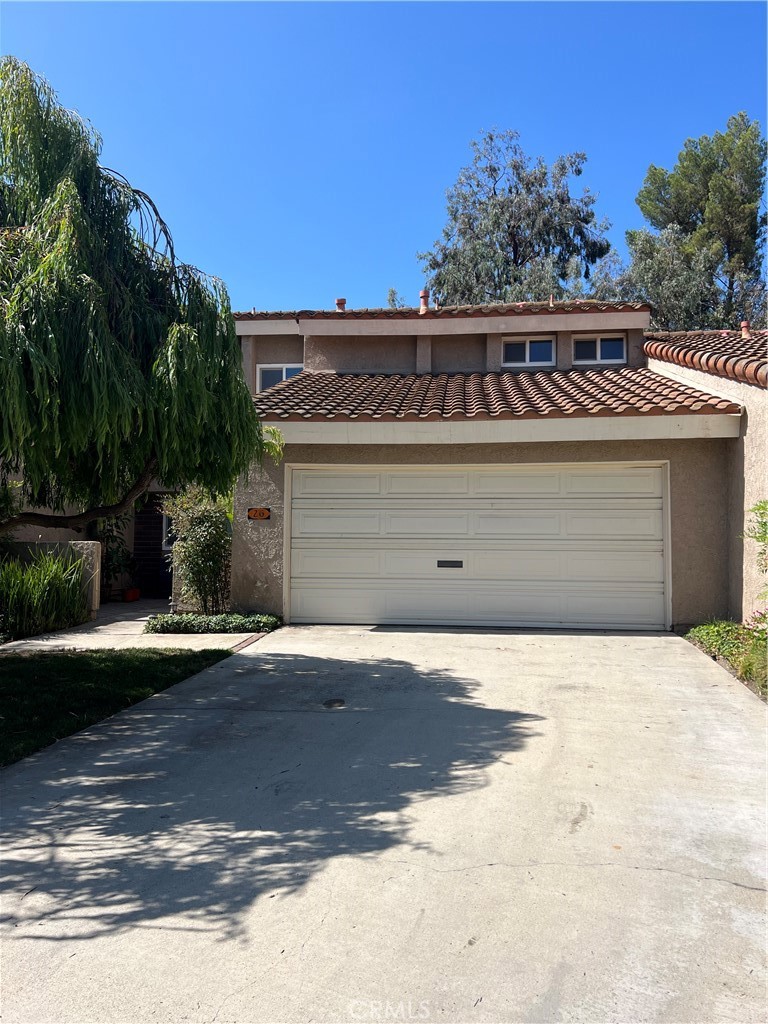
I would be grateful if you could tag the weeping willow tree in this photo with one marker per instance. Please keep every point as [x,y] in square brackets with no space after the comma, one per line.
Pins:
[118,363]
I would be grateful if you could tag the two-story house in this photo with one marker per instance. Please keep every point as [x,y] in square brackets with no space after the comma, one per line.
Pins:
[505,465]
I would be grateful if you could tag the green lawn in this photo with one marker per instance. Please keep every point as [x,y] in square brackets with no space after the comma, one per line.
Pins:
[44,697]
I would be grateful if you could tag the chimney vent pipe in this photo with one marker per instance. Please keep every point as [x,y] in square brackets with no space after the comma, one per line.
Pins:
[341,305]
[745,330]
[424,300]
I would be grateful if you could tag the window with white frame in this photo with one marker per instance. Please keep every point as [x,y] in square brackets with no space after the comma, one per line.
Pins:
[600,348]
[528,352]
[270,374]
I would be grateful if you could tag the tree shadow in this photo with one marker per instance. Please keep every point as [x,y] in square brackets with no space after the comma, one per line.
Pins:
[235,785]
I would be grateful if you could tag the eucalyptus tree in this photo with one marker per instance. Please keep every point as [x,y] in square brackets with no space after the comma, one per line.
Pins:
[514,227]
[118,363]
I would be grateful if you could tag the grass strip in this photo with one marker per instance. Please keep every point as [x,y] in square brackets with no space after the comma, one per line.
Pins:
[44,697]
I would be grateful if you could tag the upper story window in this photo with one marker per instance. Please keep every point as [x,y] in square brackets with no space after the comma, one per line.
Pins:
[529,352]
[272,373]
[600,348]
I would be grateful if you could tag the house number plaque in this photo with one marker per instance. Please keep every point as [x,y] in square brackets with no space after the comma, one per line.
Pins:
[258,513]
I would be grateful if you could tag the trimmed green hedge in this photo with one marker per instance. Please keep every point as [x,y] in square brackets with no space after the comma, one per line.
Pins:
[192,623]
[744,646]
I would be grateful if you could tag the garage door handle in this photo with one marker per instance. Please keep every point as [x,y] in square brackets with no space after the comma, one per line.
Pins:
[445,563]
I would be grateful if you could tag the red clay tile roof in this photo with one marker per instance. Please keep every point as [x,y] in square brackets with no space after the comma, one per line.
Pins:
[634,391]
[722,353]
[445,312]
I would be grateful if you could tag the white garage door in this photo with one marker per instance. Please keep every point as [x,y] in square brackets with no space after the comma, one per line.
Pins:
[568,545]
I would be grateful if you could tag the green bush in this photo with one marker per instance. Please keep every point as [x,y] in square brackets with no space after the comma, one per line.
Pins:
[202,548]
[744,646]
[754,664]
[190,623]
[45,593]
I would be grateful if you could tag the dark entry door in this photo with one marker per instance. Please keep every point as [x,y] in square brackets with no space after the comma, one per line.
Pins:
[153,572]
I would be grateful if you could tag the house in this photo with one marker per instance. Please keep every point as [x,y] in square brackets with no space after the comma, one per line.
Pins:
[534,464]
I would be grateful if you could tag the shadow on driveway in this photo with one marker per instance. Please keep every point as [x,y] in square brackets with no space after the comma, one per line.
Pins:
[237,784]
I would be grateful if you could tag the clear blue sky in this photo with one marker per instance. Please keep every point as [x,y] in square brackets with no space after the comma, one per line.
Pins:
[302,151]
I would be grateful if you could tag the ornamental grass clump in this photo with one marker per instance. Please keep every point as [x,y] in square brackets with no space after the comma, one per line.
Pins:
[201,554]
[46,593]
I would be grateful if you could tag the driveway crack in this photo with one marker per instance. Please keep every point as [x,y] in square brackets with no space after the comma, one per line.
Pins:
[591,864]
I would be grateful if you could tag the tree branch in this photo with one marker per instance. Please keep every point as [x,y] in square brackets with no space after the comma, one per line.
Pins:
[78,520]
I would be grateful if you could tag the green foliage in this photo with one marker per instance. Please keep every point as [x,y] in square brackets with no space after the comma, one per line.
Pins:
[514,229]
[231,623]
[45,697]
[712,232]
[202,547]
[117,561]
[394,300]
[679,284]
[744,646]
[115,359]
[757,530]
[46,593]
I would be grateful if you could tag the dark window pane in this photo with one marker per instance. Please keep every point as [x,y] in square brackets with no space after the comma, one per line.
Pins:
[291,371]
[514,352]
[585,349]
[611,348]
[540,351]
[270,377]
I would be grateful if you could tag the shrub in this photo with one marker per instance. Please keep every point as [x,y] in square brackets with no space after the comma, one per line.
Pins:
[45,593]
[744,646]
[201,555]
[189,623]
[754,664]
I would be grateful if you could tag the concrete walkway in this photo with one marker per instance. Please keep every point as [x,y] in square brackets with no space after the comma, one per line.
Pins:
[119,625]
[494,827]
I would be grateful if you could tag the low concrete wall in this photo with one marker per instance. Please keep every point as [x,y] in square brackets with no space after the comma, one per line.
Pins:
[87,550]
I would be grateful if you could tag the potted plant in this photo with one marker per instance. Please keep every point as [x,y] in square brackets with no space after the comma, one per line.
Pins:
[117,562]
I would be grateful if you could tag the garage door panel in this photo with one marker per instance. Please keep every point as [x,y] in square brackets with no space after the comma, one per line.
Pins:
[336,523]
[426,564]
[313,483]
[530,564]
[627,609]
[613,523]
[640,566]
[421,523]
[538,523]
[643,482]
[331,562]
[519,485]
[413,484]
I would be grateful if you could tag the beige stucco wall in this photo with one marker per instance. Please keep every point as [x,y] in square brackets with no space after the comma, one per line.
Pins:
[699,510]
[461,353]
[396,354]
[747,479]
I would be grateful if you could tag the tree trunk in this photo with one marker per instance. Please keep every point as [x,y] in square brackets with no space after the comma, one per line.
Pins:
[76,521]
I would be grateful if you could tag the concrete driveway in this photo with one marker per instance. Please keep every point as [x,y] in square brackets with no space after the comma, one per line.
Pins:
[495,827]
